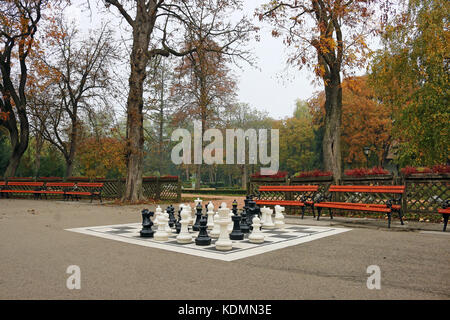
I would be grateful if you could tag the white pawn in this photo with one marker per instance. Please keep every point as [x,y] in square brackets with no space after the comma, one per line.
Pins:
[161,234]
[263,214]
[223,243]
[268,224]
[256,236]
[216,228]
[210,214]
[279,217]
[166,218]
[158,212]
[184,236]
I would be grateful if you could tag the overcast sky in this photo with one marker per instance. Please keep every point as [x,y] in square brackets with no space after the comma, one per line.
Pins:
[273,87]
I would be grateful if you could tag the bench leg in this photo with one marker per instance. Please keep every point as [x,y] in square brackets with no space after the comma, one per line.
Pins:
[319,209]
[445,216]
[314,212]
[331,213]
[400,216]
[303,211]
[389,214]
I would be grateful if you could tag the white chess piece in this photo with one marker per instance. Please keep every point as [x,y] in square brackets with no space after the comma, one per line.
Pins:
[158,212]
[279,217]
[223,243]
[210,214]
[268,224]
[263,214]
[256,236]
[197,201]
[191,216]
[216,228]
[161,234]
[230,221]
[184,236]
[167,227]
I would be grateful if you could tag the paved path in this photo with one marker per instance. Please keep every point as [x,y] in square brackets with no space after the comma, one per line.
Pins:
[35,252]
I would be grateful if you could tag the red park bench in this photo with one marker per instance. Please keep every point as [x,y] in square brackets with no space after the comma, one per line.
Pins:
[445,211]
[393,204]
[21,187]
[287,192]
[56,188]
[91,189]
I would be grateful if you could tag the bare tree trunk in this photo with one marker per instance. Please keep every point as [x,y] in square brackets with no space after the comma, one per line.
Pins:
[244,176]
[19,140]
[37,156]
[135,104]
[332,134]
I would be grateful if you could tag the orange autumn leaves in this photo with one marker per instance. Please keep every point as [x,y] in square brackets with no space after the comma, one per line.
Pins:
[98,156]
[365,121]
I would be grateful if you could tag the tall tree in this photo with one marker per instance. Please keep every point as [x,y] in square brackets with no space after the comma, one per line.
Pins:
[81,74]
[19,21]
[366,122]
[203,87]
[411,75]
[144,17]
[329,37]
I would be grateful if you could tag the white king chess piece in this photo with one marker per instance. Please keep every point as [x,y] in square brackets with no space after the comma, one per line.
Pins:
[268,224]
[210,214]
[223,243]
[279,217]
[256,236]
[184,236]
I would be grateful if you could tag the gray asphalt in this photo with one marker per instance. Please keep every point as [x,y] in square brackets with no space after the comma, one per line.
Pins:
[35,252]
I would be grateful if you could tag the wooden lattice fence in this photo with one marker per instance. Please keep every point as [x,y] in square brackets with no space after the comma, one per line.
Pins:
[153,187]
[424,193]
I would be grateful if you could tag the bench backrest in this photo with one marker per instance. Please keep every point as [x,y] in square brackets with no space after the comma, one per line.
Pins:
[26,184]
[368,189]
[306,188]
[90,184]
[2,183]
[60,184]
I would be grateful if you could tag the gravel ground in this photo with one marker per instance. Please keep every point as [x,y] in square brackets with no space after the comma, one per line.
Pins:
[35,252]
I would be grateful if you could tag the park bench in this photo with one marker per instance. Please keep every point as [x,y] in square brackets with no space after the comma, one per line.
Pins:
[34,188]
[393,204]
[287,193]
[56,188]
[445,211]
[91,189]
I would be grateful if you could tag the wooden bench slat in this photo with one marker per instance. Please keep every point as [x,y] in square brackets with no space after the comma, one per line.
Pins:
[280,202]
[444,211]
[369,189]
[349,207]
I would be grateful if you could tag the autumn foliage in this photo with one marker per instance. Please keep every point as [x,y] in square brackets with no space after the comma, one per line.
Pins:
[98,156]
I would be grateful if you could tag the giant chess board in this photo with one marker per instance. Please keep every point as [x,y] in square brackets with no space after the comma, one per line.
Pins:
[275,239]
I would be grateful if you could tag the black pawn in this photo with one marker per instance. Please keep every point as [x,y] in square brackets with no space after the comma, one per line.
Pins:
[196,226]
[236,234]
[245,228]
[203,238]
[178,224]
[147,224]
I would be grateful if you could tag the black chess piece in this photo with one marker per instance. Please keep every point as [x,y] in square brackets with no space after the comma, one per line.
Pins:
[235,207]
[196,226]
[203,238]
[245,228]
[236,233]
[252,211]
[147,231]
[170,210]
